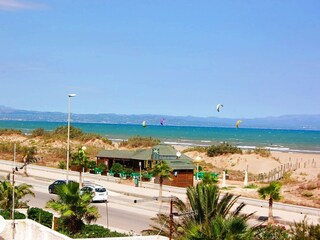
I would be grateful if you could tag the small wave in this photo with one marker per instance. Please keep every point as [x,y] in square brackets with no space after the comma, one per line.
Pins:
[281,149]
[305,151]
[205,141]
[180,143]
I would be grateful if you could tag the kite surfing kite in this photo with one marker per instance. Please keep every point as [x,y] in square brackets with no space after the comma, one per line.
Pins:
[237,123]
[219,106]
[162,121]
[144,124]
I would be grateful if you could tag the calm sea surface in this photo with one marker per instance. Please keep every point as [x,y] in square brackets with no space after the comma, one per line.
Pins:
[280,140]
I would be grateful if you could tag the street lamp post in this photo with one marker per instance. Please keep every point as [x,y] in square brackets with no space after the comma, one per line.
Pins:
[140,174]
[68,140]
[198,159]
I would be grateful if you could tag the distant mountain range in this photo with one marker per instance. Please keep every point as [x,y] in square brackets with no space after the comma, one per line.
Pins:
[307,122]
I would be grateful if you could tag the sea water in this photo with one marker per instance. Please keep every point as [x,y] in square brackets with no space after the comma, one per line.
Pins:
[246,138]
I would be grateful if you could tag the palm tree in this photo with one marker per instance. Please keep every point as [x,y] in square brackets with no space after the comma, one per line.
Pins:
[74,207]
[203,207]
[220,229]
[29,157]
[80,160]
[205,200]
[209,179]
[19,192]
[163,171]
[272,191]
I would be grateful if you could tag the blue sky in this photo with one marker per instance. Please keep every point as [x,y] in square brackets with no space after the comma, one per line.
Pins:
[257,58]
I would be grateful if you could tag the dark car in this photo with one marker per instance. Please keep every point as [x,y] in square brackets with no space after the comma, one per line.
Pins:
[53,186]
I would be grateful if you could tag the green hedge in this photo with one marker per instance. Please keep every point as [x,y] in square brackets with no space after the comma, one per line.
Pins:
[94,231]
[40,216]
[17,215]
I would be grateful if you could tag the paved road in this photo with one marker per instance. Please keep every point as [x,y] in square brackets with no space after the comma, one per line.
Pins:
[123,214]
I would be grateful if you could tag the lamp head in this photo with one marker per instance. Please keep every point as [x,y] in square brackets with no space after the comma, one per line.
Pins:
[72,95]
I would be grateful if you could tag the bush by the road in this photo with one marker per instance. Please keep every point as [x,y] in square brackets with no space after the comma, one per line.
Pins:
[40,216]
[17,215]
[94,231]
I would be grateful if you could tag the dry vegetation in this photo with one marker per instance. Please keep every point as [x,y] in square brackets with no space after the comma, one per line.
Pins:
[50,146]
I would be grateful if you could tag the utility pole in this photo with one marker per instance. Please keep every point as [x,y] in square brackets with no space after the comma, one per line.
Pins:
[13,188]
[171,219]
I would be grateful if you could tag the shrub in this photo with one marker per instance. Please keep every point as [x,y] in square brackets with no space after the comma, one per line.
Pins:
[59,152]
[263,152]
[287,178]
[62,165]
[40,216]
[272,232]
[38,132]
[195,149]
[304,231]
[128,171]
[96,231]
[10,131]
[307,193]
[102,167]
[17,215]
[116,168]
[223,148]
[92,136]
[252,186]
[92,164]
[136,142]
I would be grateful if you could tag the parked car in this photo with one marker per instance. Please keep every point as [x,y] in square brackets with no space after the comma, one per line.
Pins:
[53,186]
[100,193]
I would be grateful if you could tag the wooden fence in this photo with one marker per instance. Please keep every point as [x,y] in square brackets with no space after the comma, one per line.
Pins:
[278,173]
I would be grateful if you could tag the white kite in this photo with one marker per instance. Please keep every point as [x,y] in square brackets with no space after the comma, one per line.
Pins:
[219,106]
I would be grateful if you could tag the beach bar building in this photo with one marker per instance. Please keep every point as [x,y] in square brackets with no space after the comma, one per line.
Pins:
[181,165]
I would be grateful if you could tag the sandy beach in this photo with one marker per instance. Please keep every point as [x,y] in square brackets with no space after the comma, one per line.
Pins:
[257,164]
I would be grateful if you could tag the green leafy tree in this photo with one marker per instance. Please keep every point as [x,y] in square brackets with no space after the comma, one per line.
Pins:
[162,171]
[75,208]
[80,160]
[6,190]
[272,192]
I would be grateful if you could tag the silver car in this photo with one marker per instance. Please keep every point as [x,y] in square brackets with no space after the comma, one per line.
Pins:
[100,193]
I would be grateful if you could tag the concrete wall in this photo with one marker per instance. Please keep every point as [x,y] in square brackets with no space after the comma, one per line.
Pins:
[30,230]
